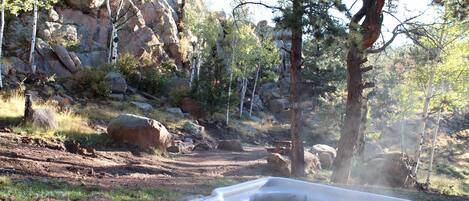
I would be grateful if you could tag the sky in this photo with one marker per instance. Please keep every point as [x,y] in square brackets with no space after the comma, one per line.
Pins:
[406,9]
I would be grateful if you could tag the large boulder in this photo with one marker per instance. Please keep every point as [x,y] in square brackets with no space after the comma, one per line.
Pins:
[230,145]
[140,131]
[117,82]
[141,105]
[325,153]
[44,118]
[194,129]
[279,164]
[65,58]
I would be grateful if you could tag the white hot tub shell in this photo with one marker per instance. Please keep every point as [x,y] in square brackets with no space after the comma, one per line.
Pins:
[283,189]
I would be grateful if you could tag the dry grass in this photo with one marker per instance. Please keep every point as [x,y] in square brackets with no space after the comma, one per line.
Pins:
[12,109]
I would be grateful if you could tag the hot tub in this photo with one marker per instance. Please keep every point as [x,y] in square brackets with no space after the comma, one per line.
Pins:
[283,189]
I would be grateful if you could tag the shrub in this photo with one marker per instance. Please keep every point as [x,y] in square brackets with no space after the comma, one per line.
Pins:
[127,64]
[152,81]
[177,95]
[92,81]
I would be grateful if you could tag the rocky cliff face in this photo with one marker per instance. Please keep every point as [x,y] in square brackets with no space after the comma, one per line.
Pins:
[76,35]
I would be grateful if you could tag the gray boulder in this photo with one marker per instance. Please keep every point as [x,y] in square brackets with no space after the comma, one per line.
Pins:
[65,58]
[140,131]
[117,82]
[142,106]
[371,150]
[325,153]
[44,118]
[175,110]
[194,129]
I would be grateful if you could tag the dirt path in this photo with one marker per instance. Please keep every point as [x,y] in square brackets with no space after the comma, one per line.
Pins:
[183,173]
[195,173]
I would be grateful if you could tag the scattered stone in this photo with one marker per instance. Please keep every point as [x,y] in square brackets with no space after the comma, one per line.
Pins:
[203,146]
[75,147]
[194,129]
[117,82]
[175,110]
[142,106]
[61,101]
[181,147]
[140,131]
[230,145]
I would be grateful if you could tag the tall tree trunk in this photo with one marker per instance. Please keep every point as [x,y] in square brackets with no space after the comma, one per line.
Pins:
[297,152]
[435,134]
[363,122]
[2,16]
[254,90]
[426,106]
[244,87]
[33,39]
[370,30]
[350,131]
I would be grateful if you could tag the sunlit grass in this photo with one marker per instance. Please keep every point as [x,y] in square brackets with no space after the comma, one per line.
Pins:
[55,189]
[12,110]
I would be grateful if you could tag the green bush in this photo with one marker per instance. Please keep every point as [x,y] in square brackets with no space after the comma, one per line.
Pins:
[177,95]
[92,81]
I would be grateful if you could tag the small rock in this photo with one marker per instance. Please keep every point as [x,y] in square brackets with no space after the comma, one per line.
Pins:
[175,110]
[142,106]
[203,146]
[117,96]
[230,145]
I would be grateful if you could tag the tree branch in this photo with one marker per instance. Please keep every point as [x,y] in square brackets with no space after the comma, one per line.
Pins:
[395,32]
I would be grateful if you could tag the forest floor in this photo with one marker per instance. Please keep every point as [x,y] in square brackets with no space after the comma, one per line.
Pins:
[31,168]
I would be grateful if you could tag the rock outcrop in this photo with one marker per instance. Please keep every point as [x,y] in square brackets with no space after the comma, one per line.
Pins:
[140,131]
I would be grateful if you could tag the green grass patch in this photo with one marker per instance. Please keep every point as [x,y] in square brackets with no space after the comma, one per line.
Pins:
[55,189]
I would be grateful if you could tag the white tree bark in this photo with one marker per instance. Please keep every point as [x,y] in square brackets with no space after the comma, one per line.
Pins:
[243,95]
[229,98]
[435,134]
[403,149]
[428,97]
[114,38]
[254,90]
[2,27]
[33,39]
